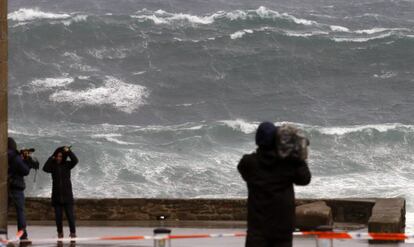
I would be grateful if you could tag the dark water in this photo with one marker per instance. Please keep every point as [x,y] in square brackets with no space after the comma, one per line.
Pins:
[161,98]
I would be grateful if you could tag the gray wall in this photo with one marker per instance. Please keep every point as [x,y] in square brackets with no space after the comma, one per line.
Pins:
[141,209]
[3,113]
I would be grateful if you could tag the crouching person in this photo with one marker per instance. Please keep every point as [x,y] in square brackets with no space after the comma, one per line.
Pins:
[271,199]
[60,168]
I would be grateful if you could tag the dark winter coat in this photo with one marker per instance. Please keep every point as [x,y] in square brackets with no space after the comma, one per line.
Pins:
[18,169]
[61,176]
[271,197]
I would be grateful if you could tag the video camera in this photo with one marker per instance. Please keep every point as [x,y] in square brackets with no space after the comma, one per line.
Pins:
[26,153]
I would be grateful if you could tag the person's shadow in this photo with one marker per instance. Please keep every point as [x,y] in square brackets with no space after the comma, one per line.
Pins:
[71,244]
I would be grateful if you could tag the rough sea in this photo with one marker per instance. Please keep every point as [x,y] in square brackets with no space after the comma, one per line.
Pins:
[161,98]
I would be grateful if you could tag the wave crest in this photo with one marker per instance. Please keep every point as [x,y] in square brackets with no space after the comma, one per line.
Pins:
[164,17]
[24,14]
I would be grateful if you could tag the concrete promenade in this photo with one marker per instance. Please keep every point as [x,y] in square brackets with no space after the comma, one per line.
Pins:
[42,232]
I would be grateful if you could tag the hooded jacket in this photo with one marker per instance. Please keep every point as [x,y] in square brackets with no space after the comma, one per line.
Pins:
[61,175]
[18,169]
[271,197]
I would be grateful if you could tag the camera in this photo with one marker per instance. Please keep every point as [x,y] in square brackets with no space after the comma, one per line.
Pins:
[27,152]
[27,156]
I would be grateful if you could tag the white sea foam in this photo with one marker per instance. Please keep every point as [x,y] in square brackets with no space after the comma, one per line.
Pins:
[250,127]
[308,34]
[112,137]
[140,72]
[46,83]
[155,19]
[164,17]
[339,28]
[76,18]
[385,75]
[358,128]
[299,20]
[116,93]
[379,30]
[363,39]
[240,34]
[24,14]
[175,17]
[241,125]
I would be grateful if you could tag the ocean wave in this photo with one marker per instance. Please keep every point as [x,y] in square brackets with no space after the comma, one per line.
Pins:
[240,34]
[339,28]
[379,30]
[336,33]
[241,125]
[24,14]
[363,39]
[248,127]
[362,128]
[122,96]
[164,17]
[305,34]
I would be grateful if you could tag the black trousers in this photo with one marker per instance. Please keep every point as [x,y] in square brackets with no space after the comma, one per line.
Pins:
[70,215]
[261,241]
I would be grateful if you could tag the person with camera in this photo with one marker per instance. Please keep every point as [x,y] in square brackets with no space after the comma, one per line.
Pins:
[271,200]
[59,165]
[20,164]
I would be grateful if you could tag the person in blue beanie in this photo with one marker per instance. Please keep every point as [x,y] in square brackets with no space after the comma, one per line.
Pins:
[271,198]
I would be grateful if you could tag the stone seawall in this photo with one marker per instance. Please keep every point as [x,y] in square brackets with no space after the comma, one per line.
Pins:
[378,214]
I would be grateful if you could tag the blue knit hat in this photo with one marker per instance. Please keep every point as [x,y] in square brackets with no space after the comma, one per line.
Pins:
[266,136]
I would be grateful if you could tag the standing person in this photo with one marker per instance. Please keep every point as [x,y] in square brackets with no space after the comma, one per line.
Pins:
[19,167]
[62,196]
[271,198]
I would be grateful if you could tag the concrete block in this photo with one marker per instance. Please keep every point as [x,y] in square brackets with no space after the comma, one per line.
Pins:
[390,213]
[388,216]
[311,216]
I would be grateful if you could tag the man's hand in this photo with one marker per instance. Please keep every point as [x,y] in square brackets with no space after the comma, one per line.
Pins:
[25,155]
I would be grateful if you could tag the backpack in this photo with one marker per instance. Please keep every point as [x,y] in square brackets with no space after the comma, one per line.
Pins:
[291,143]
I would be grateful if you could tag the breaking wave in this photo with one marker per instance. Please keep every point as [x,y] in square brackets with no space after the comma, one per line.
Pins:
[24,14]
